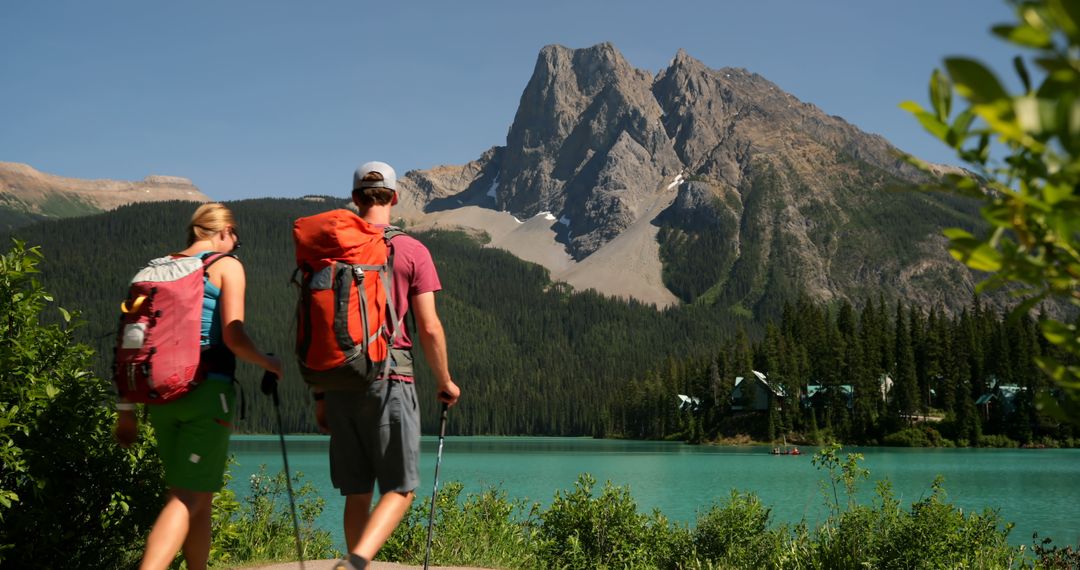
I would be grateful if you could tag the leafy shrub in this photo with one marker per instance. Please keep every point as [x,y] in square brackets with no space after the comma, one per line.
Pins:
[736,533]
[917,436]
[1027,185]
[997,441]
[932,534]
[583,531]
[486,530]
[1054,557]
[55,429]
[260,528]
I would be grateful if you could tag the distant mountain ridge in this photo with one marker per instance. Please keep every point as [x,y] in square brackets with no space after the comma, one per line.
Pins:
[698,185]
[28,195]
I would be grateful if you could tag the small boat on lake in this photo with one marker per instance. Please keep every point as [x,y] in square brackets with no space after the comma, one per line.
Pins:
[784,450]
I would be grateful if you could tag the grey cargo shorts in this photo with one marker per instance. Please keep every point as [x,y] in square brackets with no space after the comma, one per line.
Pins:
[374,437]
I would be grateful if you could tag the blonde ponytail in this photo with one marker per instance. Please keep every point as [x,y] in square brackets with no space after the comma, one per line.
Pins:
[208,220]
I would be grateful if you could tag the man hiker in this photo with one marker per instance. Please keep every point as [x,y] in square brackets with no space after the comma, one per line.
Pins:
[375,426]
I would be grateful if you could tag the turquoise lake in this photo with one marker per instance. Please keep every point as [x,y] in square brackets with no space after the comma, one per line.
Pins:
[1037,489]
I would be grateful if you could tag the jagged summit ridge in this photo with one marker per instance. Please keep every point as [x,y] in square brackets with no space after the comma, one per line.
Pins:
[573,112]
[787,196]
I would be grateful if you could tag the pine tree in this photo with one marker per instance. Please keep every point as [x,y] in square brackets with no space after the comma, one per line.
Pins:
[905,390]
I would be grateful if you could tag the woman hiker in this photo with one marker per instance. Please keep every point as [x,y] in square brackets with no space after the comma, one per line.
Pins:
[193,430]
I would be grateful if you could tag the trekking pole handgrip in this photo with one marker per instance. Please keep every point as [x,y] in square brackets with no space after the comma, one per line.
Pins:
[269,382]
[269,385]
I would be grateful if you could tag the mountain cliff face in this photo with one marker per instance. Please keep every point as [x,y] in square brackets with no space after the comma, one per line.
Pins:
[586,139]
[27,195]
[714,185]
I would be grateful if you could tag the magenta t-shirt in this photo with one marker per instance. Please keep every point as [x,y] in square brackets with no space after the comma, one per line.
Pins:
[414,273]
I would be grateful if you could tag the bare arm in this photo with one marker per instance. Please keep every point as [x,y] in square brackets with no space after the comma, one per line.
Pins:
[433,339]
[233,286]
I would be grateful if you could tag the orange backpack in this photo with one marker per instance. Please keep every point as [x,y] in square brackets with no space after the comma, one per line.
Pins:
[344,269]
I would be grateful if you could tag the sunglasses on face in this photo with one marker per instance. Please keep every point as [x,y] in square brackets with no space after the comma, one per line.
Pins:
[236,238]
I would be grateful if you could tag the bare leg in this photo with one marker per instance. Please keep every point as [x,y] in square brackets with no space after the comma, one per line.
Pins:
[357,514]
[197,544]
[182,513]
[381,523]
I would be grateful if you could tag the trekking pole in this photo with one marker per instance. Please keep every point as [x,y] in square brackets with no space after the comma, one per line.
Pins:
[269,386]
[435,491]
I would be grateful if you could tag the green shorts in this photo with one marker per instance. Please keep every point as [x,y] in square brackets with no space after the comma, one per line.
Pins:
[193,435]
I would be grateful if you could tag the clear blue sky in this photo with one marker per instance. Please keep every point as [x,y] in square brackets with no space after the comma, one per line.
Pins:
[253,98]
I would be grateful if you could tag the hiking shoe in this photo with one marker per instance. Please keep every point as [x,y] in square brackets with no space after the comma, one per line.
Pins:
[353,562]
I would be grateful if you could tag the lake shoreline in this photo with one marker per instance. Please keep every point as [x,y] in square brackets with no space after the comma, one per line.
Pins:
[681,479]
[743,440]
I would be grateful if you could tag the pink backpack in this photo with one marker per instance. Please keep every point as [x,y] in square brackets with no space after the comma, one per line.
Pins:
[156,359]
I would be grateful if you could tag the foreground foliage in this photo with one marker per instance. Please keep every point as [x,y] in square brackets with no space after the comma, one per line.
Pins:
[1030,194]
[591,528]
[259,527]
[69,495]
[67,491]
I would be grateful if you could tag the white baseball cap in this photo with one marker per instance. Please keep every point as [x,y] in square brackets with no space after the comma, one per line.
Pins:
[389,177]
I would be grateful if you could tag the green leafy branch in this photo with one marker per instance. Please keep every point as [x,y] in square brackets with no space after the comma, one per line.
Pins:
[1029,195]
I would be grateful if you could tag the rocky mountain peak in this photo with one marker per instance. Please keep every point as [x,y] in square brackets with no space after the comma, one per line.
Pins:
[589,68]
[578,104]
[749,192]
[683,62]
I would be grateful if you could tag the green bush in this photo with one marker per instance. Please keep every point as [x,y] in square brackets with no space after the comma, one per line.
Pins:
[932,534]
[997,441]
[486,530]
[736,534]
[917,436]
[260,528]
[583,531]
[1027,184]
[68,493]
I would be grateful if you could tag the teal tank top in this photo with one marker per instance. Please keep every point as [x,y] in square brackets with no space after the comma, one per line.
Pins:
[210,334]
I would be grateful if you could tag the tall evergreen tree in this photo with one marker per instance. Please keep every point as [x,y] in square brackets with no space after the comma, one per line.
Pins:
[905,398]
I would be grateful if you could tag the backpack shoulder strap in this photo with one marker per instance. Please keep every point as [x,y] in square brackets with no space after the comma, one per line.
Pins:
[211,258]
[391,232]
